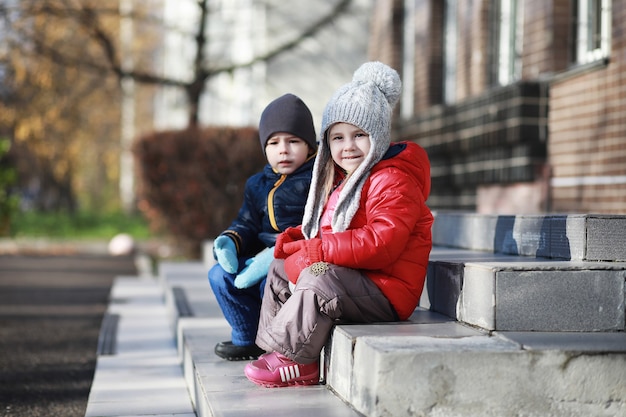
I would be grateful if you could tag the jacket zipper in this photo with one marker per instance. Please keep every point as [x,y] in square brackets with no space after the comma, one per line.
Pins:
[270,203]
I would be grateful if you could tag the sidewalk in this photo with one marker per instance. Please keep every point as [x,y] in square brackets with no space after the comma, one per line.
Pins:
[51,309]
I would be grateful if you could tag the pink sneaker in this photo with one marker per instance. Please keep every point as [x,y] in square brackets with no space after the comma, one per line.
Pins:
[275,370]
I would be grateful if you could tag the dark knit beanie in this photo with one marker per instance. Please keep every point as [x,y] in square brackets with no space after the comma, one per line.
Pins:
[287,113]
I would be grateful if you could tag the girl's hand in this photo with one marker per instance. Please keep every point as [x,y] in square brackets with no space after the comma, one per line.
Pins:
[309,253]
[312,248]
[290,235]
[294,264]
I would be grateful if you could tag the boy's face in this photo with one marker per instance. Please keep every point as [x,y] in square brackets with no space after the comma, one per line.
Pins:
[286,152]
[348,145]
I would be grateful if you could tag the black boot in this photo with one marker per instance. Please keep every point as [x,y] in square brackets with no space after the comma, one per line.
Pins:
[232,352]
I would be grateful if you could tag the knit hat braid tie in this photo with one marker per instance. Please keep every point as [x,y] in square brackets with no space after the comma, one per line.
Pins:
[366,102]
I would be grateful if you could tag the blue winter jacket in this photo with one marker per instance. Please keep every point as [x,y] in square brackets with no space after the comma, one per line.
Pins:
[272,202]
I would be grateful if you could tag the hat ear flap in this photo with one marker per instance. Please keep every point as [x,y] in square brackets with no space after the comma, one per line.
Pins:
[316,198]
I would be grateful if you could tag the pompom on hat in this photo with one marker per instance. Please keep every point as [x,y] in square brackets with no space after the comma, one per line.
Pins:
[287,113]
[366,102]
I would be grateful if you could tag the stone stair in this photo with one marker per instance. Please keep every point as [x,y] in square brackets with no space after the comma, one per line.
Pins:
[521,316]
[540,301]
[530,273]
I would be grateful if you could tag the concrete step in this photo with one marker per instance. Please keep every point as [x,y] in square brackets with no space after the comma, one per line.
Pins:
[514,293]
[219,387]
[431,365]
[138,370]
[188,295]
[583,237]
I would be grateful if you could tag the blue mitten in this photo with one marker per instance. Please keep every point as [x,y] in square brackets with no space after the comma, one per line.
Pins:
[226,254]
[256,269]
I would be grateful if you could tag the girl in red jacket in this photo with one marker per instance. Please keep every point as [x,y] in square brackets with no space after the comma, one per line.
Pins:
[362,250]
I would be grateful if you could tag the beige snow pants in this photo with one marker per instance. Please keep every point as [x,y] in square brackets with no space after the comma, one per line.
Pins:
[298,324]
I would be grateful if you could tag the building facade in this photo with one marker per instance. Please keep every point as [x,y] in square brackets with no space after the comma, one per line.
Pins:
[520,104]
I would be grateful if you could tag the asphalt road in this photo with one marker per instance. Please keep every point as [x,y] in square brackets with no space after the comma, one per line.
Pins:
[51,309]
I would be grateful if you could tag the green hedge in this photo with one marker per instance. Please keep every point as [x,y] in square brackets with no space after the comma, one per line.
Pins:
[81,225]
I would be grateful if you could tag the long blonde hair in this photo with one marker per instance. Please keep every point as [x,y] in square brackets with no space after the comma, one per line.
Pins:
[331,171]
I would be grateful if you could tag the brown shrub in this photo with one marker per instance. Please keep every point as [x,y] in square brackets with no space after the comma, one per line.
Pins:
[191,182]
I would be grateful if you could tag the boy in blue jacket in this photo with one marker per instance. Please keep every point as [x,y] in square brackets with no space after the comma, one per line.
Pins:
[274,200]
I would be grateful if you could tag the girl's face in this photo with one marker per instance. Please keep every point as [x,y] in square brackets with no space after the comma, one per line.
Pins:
[348,145]
[286,152]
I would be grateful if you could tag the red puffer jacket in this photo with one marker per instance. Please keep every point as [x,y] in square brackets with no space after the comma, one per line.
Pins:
[390,235]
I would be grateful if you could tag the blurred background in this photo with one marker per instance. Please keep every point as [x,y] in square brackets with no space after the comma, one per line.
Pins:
[139,117]
[85,83]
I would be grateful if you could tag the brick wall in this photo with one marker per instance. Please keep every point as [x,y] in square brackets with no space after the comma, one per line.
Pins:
[587,128]
[546,46]
[584,164]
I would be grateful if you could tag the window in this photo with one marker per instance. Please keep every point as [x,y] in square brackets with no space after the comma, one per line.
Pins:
[450,51]
[408,67]
[593,21]
[509,48]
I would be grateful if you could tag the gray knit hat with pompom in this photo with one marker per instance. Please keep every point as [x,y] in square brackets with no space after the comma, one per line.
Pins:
[366,102]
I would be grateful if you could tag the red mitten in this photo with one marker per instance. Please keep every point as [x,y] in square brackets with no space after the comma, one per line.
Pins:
[310,252]
[293,247]
[295,263]
[295,233]
[290,235]
[314,250]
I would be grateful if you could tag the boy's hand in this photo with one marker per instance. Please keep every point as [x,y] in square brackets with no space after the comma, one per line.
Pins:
[256,269]
[226,254]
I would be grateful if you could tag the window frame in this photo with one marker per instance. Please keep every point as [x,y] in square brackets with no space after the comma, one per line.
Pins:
[509,20]
[592,24]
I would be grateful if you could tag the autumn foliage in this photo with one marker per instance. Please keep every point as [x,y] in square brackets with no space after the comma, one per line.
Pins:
[191,181]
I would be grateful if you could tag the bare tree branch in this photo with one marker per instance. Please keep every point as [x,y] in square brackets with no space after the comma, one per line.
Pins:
[324,21]
[196,87]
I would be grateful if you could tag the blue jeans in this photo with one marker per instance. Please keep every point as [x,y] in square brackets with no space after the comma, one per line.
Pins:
[241,307]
